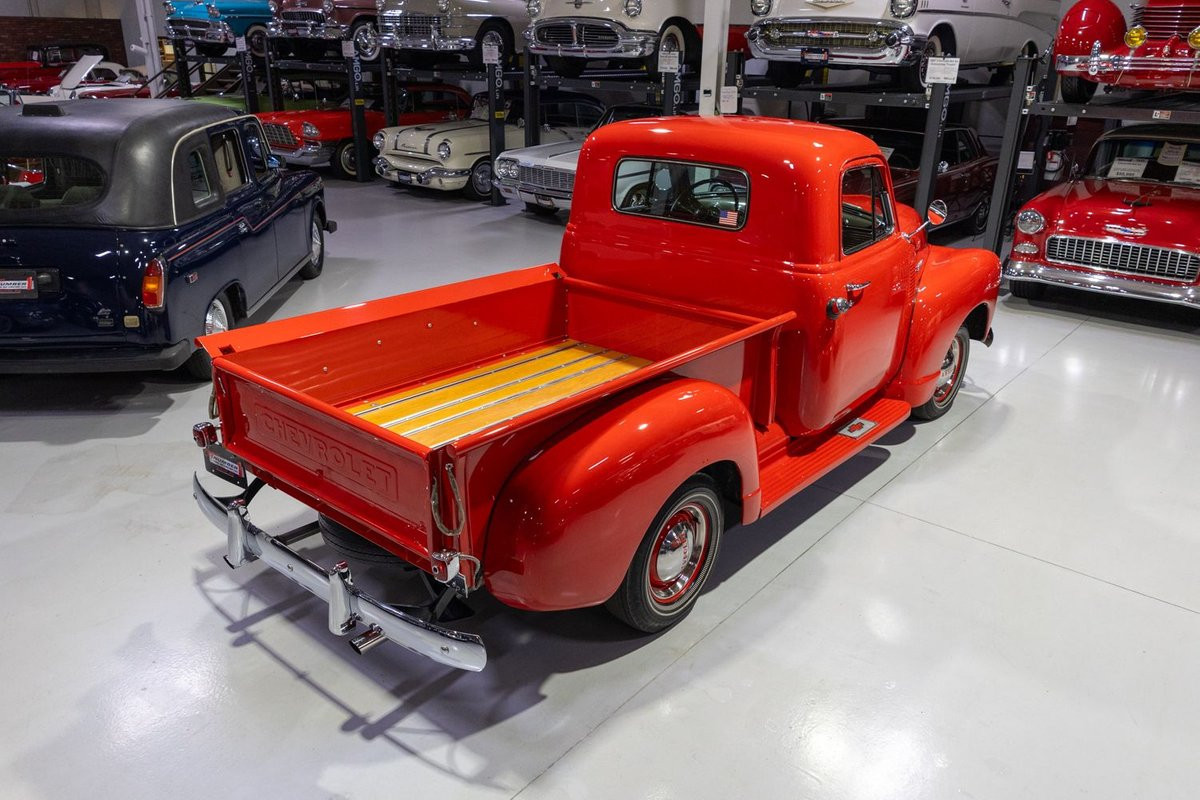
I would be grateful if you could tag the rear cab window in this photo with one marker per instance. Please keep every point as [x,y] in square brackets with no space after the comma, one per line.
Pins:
[867,215]
[42,183]
[699,194]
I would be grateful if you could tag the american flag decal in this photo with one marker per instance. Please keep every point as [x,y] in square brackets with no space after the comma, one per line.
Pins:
[728,218]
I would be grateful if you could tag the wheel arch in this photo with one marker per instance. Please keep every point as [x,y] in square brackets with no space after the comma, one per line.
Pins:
[565,526]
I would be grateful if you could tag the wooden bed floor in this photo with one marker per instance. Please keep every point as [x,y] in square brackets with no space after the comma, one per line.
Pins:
[440,411]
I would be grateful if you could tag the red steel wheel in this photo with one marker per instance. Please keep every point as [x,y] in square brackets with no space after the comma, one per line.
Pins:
[674,559]
[950,378]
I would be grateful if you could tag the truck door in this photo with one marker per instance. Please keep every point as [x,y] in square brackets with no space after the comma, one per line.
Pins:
[250,208]
[874,278]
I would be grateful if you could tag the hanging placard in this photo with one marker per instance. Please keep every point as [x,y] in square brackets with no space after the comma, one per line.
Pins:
[1188,173]
[491,53]
[941,70]
[1171,154]
[347,49]
[668,61]
[729,99]
[239,44]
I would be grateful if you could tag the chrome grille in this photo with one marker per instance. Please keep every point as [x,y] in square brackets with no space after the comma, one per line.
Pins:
[546,178]
[1133,259]
[416,26]
[1163,22]
[279,135]
[577,34]
[187,28]
[313,17]
[862,35]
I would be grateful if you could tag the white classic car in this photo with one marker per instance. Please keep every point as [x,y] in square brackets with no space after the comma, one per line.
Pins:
[456,155]
[543,177]
[568,36]
[904,34]
[452,26]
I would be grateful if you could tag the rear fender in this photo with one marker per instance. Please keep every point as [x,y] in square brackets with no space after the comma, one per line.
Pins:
[567,523]
[957,287]
[1088,22]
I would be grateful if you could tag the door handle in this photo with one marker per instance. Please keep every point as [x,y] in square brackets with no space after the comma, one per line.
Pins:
[243,227]
[840,305]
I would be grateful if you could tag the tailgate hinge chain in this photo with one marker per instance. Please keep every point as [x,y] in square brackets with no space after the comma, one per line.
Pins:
[435,503]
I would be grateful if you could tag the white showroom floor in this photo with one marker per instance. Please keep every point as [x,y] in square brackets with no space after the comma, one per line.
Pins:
[1004,603]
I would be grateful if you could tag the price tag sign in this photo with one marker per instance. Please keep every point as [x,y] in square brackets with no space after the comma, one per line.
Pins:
[239,44]
[941,70]
[1025,161]
[347,49]
[1171,154]
[1127,167]
[491,53]
[668,61]
[1188,173]
[729,99]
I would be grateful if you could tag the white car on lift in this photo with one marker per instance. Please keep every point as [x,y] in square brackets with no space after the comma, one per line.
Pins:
[877,35]
[543,176]
[569,35]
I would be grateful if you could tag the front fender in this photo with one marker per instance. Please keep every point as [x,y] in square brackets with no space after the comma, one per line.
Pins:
[567,523]
[957,287]
[1088,22]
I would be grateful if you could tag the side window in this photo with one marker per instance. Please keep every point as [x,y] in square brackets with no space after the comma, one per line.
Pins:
[950,148]
[866,209]
[256,147]
[202,189]
[696,193]
[227,153]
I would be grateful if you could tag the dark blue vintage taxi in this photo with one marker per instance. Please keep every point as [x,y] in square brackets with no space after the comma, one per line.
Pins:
[130,227]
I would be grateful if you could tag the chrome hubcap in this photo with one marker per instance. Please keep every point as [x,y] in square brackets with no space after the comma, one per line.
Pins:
[949,373]
[314,252]
[216,319]
[366,41]
[348,162]
[482,177]
[679,552]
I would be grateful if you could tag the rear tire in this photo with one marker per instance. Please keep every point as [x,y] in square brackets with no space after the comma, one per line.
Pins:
[218,318]
[674,559]
[1077,90]
[316,247]
[950,380]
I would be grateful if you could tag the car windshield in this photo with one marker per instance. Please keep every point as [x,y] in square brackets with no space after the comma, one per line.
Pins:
[902,149]
[47,182]
[1146,160]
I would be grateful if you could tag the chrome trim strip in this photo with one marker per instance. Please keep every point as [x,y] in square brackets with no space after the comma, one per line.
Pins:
[1102,283]
[349,606]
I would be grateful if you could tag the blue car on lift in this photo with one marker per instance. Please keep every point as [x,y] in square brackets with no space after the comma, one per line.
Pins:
[215,25]
[130,227]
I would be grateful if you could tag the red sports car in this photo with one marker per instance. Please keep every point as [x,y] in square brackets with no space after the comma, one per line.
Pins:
[1128,227]
[324,136]
[1158,48]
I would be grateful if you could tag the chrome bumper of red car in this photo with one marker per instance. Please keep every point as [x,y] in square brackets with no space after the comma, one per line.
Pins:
[1103,283]
[1099,65]
[349,607]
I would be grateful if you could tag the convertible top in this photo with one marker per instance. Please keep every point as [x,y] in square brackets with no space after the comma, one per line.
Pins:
[133,141]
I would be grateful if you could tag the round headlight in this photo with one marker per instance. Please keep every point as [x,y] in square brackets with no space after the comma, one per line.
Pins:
[1135,36]
[273,7]
[633,8]
[904,8]
[379,140]
[213,11]
[1194,39]
[327,7]
[1030,221]
[506,168]
[168,7]
[309,130]
[760,8]
[533,7]
[443,6]
[443,150]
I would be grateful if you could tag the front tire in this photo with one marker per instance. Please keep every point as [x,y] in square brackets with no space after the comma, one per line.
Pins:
[316,247]
[492,32]
[218,318]
[567,67]
[211,49]
[256,41]
[1026,290]
[979,219]
[673,560]
[1077,90]
[479,185]
[913,77]
[950,379]
[681,37]
[343,161]
[541,211]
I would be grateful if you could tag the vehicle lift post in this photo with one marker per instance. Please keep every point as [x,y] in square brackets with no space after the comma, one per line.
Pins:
[363,169]
[1006,168]
[495,94]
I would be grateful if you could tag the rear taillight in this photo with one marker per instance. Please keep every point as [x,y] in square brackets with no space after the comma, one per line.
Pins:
[154,284]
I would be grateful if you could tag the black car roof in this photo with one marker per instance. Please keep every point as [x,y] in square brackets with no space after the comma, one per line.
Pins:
[1155,130]
[133,141]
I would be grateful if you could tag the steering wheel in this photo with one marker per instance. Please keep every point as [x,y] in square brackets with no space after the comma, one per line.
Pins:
[691,193]
[637,198]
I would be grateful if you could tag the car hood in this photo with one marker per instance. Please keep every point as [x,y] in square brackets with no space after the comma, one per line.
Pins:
[189,9]
[471,134]
[559,154]
[1139,212]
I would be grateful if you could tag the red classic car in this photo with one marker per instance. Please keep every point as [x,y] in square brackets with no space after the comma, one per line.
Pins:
[318,137]
[1156,49]
[725,325]
[1128,227]
[308,27]
[44,66]
[965,171]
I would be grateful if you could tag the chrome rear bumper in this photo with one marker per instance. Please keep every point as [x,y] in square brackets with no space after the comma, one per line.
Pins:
[1102,282]
[348,606]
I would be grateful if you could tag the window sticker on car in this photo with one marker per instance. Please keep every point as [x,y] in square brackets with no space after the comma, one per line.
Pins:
[1172,154]
[1123,167]
[1188,172]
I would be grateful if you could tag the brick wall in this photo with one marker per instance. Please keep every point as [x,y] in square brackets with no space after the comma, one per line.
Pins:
[18,32]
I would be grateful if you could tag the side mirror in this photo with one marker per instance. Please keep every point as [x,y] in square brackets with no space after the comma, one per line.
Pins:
[274,162]
[943,166]
[937,213]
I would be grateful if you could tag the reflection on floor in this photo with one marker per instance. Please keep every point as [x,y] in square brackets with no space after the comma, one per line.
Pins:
[1002,603]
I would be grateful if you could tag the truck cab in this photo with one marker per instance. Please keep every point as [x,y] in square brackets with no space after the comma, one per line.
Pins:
[724,326]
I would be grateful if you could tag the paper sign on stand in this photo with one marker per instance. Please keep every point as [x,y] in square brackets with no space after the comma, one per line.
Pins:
[1127,168]
[941,70]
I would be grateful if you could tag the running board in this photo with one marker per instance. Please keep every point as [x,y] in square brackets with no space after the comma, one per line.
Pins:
[792,470]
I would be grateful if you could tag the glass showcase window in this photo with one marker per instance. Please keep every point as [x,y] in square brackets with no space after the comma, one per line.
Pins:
[695,193]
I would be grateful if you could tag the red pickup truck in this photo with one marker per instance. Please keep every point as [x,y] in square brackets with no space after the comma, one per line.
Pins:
[726,324]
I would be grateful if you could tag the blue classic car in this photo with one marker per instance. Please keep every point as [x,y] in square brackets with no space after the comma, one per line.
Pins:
[214,24]
[130,227]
